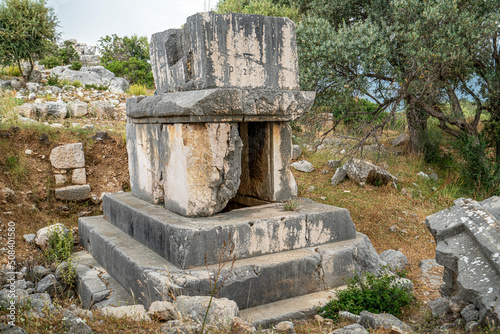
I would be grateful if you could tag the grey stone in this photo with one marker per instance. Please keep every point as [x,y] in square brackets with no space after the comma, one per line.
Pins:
[221,104]
[68,156]
[93,75]
[78,109]
[384,320]
[400,140]
[6,297]
[349,316]
[73,193]
[396,260]
[296,152]
[15,84]
[9,329]
[339,176]
[90,286]
[57,109]
[470,313]
[303,166]
[27,110]
[440,307]
[180,327]
[434,177]
[363,172]
[7,194]
[248,51]
[133,312]
[351,329]
[40,271]
[472,327]
[162,311]
[43,234]
[102,109]
[48,284]
[285,327]
[4,84]
[29,238]
[54,89]
[79,176]
[423,176]
[222,310]
[75,325]
[40,303]
[32,87]
[118,86]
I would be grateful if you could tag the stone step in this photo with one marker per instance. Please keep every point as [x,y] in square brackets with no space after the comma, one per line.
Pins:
[288,309]
[254,231]
[249,282]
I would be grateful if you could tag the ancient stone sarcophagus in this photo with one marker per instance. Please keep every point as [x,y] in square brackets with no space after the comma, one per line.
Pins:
[218,129]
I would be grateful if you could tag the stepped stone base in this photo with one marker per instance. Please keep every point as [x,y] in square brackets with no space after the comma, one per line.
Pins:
[301,252]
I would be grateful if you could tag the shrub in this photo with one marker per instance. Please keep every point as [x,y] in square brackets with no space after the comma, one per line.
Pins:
[96,87]
[77,84]
[11,71]
[137,90]
[76,65]
[53,80]
[50,62]
[59,246]
[136,71]
[370,292]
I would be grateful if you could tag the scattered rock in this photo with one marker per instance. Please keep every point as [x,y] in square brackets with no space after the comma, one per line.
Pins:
[339,176]
[180,327]
[239,325]
[470,313]
[401,140]
[102,109]
[440,307]
[57,110]
[349,316]
[285,327]
[73,193]
[221,309]
[351,329]
[75,325]
[7,194]
[134,312]
[303,166]
[311,189]
[9,329]
[423,176]
[434,177]
[472,327]
[432,278]
[162,311]
[68,156]
[394,229]
[456,303]
[334,163]
[42,236]
[296,152]
[78,109]
[40,303]
[118,86]
[396,260]
[384,320]
[40,271]
[101,135]
[29,238]
[79,176]
[48,284]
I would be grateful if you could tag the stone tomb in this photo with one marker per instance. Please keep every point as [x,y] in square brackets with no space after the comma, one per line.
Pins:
[209,166]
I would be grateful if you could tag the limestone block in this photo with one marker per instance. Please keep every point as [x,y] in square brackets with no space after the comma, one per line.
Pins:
[134,312]
[193,168]
[118,86]
[79,176]
[267,151]
[73,193]
[68,156]
[226,50]
[78,109]
[60,179]
[102,109]
[57,109]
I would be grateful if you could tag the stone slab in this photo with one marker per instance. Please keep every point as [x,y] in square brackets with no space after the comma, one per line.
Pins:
[226,50]
[220,105]
[250,282]
[253,231]
[73,193]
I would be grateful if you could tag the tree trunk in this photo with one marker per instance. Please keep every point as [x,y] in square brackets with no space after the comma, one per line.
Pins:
[417,126]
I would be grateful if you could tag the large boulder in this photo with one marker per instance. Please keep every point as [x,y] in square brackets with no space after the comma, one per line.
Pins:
[78,109]
[396,260]
[363,172]
[57,109]
[93,75]
[102,109]
[42,236]
[118,86]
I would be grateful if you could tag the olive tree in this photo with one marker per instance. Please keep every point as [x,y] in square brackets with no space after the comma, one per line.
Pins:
[27,31]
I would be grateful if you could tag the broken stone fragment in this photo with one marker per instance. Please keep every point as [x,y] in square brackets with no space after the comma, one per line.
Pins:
[362,172]
[73,193]
[68,156]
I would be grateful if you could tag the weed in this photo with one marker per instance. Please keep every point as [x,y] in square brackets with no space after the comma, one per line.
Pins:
[53,80]
[76,65]
[59,245]
[374,293]
[17,168]
[77,84]
[137,90]
[10,71]
[291,205]
[96,87]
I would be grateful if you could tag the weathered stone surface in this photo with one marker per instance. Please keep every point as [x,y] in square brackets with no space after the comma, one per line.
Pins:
[180,327]
[162,311]
[40,303]
[75,325]
[7,194]
[27,110]
[118,86]
[79,176]
[78,109]
[226,50]
[363,172]
[440,307]
[396,260]
[40,271]
[303,166]
[29,238]
[285,327]
[42,236]
[400,140]
[220,105]
[351,329]
[73,193]
[468,240]
[57,109]
[296,152]
[134,312]
[239,325]
[384,320]
[48,284]
[89,286]
[339,176]
[470,313]
[61,179]
[194,169]
[222,310]
[349,316]
[432,277]
[102,109]
[68,156]
[94,75]
[9,329]
[334,163]
[4,84]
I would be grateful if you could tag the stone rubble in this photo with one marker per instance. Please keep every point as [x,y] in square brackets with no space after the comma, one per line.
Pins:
[362,172]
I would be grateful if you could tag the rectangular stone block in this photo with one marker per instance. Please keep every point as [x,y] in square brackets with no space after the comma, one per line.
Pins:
[226,50]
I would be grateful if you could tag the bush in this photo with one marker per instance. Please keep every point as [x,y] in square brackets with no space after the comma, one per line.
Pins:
[76,65]
[136,71]
[59,246]
[77,84]
[50,62]
[53,80]
[370,292]
[10,71]
[137,90]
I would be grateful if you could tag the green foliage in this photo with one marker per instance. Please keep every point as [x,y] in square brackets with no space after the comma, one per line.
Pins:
[137,90]
[96,87]
[374,293]
[50,62]
[53,80]
[135,70]
[291,205]
[17,168]
[77,84]
[27,29]
[260,7]
[480,174]
[10,71]
[76,65]
[68,54]
[59,245]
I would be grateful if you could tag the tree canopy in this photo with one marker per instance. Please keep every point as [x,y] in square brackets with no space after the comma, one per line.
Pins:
[27,31]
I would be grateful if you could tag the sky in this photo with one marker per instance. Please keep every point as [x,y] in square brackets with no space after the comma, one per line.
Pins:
[89,20]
